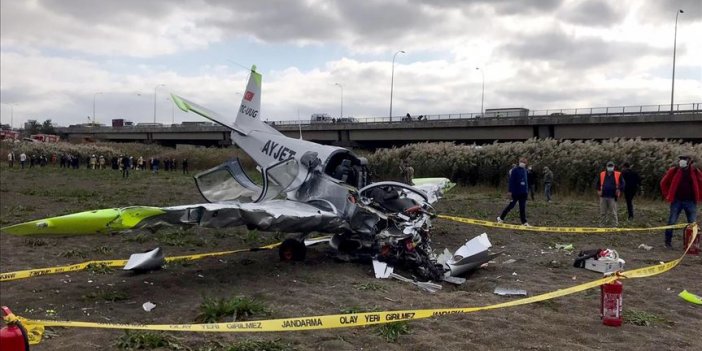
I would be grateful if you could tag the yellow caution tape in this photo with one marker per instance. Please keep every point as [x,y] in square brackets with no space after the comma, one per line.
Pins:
[556,229]
[29,273]
[348,320]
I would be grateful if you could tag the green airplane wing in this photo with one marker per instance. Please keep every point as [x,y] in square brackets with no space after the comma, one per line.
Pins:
[274,216]
[89,222]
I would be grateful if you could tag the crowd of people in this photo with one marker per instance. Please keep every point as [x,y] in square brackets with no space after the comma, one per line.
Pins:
[122,163]
[681,186]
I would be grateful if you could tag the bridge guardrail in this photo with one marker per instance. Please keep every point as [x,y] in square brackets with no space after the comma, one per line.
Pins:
[591,111]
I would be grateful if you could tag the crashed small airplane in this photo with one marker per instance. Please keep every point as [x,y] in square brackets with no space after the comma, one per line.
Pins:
[307,187]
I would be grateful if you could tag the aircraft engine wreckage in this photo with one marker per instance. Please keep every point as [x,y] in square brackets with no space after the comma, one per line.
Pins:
[307,187]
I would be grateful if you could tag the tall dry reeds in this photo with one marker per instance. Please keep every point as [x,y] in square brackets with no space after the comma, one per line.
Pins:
[575,164]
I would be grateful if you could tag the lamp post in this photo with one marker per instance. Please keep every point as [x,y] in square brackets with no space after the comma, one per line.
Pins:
[155,92]
[482,95]
[392,80]
[94,95]
[341,111]
[675,44]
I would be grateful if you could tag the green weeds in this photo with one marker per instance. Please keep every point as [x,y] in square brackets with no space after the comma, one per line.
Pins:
[642,318]
[141,340]
[239,308]
[392,331]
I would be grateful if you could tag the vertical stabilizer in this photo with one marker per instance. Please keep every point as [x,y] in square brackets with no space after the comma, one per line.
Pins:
[248,117]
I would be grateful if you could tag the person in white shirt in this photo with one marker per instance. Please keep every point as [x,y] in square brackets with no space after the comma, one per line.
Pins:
[23,159]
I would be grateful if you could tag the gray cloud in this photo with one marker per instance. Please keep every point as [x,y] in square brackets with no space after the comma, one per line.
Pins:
[506,7]
[572,52]
[592,13]
[277,21]
[664,11]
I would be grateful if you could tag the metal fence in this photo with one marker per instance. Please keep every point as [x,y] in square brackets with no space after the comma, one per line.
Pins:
[555,113]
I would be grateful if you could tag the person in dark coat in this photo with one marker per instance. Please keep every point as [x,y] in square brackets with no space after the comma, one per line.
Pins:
[531,175]
[632,186]
[518,191]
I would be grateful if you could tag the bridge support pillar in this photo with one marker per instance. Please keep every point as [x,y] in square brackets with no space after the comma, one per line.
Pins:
[543,131]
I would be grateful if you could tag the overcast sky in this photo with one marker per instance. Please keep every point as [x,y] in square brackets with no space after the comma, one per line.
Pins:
[58,56]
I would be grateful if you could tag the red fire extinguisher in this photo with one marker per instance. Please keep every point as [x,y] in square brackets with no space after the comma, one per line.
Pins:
[687,236]
[13,336]
[611,303]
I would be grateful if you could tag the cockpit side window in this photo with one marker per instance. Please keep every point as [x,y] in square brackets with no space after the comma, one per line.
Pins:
[227,182]
[278,178]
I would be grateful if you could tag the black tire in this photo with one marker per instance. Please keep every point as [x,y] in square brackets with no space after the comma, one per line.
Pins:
[292,250]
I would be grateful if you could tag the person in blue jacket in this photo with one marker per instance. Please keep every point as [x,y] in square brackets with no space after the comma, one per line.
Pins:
[518,191]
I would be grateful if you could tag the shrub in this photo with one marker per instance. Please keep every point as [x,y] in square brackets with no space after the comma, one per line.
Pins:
[575,164]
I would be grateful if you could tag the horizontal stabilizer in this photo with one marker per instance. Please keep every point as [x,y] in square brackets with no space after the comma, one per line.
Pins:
[189,106]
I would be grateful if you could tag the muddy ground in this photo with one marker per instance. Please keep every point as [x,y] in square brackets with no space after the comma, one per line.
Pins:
[321,285]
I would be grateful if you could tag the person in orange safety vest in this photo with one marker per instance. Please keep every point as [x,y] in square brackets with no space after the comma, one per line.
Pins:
[610,185]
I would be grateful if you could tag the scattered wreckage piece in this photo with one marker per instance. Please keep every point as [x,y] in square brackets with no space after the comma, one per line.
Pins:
[147,261]
[690,297]
[510,292]
[473,254]
[470,256]
[599,260]
[428,286]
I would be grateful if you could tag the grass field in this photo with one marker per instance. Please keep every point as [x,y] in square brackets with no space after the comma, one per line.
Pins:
[257,285]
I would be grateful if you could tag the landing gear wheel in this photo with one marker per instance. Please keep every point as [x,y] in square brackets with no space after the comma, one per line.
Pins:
[292,250]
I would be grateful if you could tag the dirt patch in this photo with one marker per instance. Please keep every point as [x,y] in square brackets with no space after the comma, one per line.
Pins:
[321,285]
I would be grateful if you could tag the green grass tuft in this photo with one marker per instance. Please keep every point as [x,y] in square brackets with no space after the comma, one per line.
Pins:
[260,345]
[140,340]
[369,287]
[642,318]
[99,268]
[239,308]
[392,331]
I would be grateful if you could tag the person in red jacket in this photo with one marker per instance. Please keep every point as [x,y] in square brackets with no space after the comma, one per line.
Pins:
[682,187]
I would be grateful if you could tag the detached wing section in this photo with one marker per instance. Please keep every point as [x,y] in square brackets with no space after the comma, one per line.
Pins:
[274,215]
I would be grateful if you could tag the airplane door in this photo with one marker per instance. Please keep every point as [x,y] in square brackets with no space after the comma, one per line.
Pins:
[227,182]
[278,178]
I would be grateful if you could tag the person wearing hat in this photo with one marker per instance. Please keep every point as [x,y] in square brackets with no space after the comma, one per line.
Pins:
[682,188]
[609,187]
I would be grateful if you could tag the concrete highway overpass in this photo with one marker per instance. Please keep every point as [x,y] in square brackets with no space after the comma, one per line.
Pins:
[383,132]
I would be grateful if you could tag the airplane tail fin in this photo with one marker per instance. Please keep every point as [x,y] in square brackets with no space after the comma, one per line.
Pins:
[248,118]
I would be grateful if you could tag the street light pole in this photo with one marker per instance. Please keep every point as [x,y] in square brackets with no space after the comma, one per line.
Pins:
[94,95]
[482,95]
[155,92]
[392,80]
[675,44]
[341,112]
